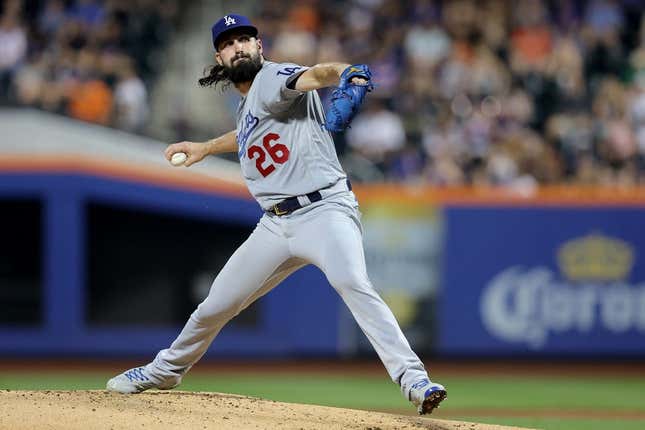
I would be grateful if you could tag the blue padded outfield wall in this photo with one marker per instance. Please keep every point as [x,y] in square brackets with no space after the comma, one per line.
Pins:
[300,317]
[556,280]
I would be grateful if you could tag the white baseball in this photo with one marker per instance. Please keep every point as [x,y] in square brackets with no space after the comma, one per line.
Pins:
[178,158]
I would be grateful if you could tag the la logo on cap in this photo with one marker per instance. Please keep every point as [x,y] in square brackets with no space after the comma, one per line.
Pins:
[228,20]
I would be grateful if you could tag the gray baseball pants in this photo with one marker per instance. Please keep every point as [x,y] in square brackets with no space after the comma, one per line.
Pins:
[326,234]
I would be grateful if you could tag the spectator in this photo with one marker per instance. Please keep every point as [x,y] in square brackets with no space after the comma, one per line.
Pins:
[531,40]
[90,98]
[130,99]
[294,44]
[603,17]
[406,165]
[426,45]
[89,13]
[52,17]
[91,101]
[13,46]
[376,132]
[30,84]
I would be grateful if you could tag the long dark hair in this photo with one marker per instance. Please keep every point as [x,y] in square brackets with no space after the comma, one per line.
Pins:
[216,74]
[244,72]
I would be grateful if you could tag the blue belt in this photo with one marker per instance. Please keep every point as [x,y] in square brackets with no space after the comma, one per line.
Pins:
[291,204]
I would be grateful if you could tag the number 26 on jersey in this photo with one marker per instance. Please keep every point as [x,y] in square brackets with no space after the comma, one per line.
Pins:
[276,152]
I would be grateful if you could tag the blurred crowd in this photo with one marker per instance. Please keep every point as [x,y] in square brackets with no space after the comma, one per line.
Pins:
[93,60]
[499,92]
[513,93]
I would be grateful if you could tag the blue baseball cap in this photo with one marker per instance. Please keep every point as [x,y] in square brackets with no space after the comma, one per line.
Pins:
[232,22]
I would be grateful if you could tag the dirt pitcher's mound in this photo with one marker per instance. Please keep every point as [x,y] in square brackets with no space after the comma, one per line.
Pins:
[72,410]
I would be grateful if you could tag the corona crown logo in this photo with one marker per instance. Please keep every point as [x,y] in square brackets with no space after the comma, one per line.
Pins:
[595,258]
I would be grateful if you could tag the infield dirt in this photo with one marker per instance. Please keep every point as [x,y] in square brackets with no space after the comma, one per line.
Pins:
[75,410]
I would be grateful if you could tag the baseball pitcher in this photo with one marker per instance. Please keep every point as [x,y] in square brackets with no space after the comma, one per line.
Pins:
[287,156]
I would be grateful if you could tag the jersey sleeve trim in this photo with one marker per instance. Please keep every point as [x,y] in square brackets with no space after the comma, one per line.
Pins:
[289,90]
[291,81]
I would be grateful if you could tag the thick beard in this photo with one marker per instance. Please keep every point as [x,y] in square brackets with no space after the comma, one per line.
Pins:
[245,71]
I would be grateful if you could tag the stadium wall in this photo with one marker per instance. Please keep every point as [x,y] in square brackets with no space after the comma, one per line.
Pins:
[107,250]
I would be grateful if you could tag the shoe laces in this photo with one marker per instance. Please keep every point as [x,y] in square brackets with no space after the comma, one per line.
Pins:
[136,374]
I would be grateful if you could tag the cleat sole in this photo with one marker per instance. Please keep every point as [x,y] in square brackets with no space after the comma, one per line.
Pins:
[432,402]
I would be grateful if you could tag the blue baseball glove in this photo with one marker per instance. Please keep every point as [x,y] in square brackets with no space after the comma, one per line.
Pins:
[348,97]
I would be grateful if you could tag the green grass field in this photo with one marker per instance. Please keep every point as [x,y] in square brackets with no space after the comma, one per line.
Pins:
[537,402]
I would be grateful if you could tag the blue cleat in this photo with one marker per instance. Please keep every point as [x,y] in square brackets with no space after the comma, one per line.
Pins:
[138,379]
[426,395]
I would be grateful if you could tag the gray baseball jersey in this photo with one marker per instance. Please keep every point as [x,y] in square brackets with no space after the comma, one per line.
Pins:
[284,150]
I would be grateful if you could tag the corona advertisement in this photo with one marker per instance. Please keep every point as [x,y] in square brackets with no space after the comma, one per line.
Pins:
[552,281]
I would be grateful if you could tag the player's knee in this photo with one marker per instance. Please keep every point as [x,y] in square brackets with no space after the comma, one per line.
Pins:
[348,281]
[213,312]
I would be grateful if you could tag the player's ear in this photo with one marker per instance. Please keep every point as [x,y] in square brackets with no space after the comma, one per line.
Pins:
[218,59]
[258,43]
